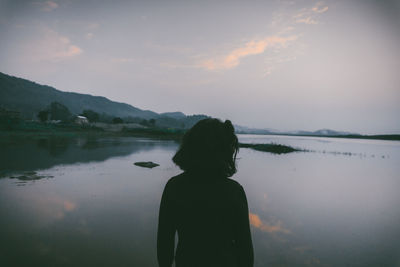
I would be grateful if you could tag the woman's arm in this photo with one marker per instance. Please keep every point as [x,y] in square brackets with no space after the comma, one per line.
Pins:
[244,242]
[166,230]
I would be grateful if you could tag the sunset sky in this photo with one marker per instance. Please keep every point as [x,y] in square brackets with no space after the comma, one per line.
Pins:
[285,65]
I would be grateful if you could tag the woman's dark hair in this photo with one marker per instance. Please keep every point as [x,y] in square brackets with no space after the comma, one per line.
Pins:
[209,146]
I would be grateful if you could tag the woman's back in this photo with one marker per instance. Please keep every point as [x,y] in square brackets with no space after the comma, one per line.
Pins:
[210,215]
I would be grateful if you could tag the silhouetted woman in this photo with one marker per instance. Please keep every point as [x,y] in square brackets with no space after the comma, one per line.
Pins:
[207,209]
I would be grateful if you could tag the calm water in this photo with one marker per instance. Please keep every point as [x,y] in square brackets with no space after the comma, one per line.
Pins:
[82,202]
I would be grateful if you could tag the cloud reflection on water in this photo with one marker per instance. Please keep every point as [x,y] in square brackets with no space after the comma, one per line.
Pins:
[55,208]
[47,208]
[267,227]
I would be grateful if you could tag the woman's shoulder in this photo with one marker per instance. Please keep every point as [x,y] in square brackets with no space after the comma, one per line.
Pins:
[186,177]
[175,179]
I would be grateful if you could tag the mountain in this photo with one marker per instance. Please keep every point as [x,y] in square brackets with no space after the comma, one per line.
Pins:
[29,98]
[323,132]
[174,115]
[246,130]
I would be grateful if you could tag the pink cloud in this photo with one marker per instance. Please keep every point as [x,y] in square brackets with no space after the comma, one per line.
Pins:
[320,10]
[51,46]
[308,15]
[307,20]
[254,47]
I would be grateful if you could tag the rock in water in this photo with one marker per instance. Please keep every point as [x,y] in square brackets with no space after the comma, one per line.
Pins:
[146,164]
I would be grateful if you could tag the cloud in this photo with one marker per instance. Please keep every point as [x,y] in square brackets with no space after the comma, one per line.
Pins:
[265,227]
[288,29]
[307,20]
[89,35]
[307,15]
[47,5]
[93,26]
[51,46]
[254,47]
[65,48]
[320,10]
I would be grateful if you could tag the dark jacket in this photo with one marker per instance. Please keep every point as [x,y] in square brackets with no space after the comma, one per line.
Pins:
[210,214]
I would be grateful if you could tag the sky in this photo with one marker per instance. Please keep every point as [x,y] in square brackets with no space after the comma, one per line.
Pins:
[279,64]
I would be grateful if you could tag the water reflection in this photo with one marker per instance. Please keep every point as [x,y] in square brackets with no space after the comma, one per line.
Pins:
[48,208]
[21,155]
[267,227]
[99,209]
[87,204]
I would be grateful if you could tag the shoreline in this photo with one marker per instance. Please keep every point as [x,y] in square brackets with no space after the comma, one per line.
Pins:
[384,137]
[37,129]
[158,133]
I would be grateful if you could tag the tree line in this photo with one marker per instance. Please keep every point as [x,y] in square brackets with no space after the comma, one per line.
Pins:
[59,112]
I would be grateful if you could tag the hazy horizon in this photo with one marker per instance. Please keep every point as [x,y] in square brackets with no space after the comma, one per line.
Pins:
[285,65]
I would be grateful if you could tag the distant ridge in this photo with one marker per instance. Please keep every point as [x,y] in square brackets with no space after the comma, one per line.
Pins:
[321,132]
[324,132]
[175,115]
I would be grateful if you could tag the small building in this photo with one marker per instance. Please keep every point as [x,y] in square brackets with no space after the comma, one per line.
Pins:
[81,120]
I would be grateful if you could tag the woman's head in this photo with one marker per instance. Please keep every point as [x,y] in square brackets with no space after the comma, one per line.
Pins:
[209,146]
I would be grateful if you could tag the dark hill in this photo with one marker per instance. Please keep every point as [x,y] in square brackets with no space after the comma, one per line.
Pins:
[29,97]
[174,115]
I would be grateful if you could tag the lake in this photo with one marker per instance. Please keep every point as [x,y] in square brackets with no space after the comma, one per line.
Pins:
[82,202]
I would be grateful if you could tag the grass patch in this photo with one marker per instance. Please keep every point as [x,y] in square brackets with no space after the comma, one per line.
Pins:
[272,148]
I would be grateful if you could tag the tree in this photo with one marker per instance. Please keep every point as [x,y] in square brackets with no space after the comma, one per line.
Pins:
[43,115]
[117,120]
[152,122]
[91,115]
[9,119]
[59,112]
[144,122]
